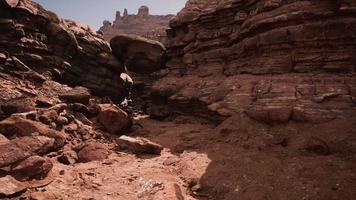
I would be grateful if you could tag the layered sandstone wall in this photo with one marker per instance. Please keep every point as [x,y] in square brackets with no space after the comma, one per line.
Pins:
[62,49]
[274,60]
[143,24]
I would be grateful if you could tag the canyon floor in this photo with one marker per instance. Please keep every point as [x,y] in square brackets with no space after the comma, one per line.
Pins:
[202,161]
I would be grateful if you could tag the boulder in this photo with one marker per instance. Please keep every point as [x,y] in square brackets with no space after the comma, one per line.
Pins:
[21,148]
[139,54]
[138,145]
[76,95]
[93,151]
[112,118]
[34,167]
[10,186]
[16,126]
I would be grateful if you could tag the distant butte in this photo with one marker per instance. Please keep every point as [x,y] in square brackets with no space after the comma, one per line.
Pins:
[143,24]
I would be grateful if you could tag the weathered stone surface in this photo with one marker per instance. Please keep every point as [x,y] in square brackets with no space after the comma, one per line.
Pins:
[113,118]
[39,43]
[48,117]
[140,55]
[34,167]
[269,59]
[16,126]
[143,24]
[10,186]
[76,95]
[21,148]
[138,145]
[68,157]
[93,151]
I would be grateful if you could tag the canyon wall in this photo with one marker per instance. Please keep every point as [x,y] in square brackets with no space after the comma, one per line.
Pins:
[143,24]
[65,50]
[274,60]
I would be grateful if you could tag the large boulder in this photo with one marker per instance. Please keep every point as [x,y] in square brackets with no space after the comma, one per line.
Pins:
[34,167]
[139,54]
[21,148]
[113,119]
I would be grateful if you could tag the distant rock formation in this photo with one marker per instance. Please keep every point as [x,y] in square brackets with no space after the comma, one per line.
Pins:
[143,24]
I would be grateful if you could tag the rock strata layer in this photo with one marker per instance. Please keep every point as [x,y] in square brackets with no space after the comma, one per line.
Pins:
[275,60]
[42,45]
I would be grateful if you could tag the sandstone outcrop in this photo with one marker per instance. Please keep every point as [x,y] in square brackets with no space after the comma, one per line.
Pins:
[143,24]
[42,45]
[275,60]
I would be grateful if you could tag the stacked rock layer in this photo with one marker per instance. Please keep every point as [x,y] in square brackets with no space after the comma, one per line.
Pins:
[274,60]
[63,49]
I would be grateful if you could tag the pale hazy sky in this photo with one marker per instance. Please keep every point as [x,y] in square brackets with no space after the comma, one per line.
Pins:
[94,12]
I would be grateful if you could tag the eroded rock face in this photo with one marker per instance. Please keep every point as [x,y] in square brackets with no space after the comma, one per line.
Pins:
[42,45]
[275,60]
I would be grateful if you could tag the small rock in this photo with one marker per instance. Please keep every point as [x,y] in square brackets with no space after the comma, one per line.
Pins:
[62,121]
[171,161]
[68,157]
[76,95]
[138,145]
[78,107]
[59,107]
[93,151]
[48,117]
[34,167]
[47,195]
[82,118]
[10,186]
[43,102]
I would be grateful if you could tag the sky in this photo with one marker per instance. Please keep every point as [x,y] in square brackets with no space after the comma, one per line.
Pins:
[94,12]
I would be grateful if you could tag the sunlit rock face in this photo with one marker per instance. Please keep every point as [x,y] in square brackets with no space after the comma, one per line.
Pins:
[274,60]
[143,24]
[67,51]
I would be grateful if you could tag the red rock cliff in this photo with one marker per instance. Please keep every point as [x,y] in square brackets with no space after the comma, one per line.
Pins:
[274,60]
